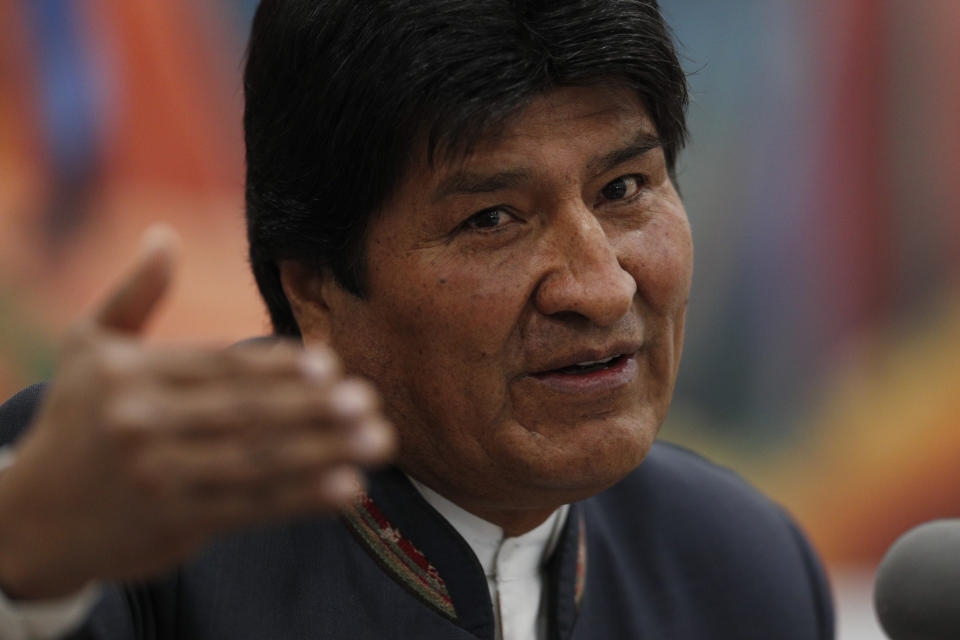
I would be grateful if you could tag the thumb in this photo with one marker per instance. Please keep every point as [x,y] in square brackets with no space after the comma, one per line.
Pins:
[133,300]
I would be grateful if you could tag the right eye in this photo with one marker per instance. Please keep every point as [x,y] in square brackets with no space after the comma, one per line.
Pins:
[489,220]
[623,188]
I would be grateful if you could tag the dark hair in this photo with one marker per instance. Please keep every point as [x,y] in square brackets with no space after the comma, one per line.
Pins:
[339,92]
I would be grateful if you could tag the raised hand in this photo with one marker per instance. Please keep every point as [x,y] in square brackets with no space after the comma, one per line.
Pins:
[140,455]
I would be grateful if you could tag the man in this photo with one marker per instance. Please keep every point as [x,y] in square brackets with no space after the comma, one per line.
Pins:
[471,205]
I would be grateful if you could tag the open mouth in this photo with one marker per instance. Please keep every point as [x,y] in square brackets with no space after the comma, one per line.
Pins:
[591,378]
[583,368]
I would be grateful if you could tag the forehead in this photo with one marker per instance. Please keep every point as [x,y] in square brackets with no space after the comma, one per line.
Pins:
[570,109]
[575,123]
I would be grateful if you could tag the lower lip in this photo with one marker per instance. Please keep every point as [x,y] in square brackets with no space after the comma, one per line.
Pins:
[600,381]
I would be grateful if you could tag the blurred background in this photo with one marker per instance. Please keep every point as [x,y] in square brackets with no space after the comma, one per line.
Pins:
[823,346]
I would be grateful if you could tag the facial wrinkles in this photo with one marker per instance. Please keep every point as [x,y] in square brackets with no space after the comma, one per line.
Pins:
[461,331]
[535,332]
[455,328]
[663,252]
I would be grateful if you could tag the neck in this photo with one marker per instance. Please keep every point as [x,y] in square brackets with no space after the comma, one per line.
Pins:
[514,522]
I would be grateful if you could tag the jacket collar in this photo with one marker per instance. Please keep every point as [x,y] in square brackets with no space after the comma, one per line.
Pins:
[421,551]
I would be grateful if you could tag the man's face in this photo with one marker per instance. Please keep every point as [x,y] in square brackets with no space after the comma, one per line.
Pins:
[525,307]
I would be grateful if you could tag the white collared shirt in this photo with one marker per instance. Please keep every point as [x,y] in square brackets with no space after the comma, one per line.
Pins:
[515,566]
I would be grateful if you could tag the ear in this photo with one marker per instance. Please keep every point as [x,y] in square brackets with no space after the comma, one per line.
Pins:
[304,288]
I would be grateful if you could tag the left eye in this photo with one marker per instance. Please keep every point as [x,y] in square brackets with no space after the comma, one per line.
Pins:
[623,187]
[488,219]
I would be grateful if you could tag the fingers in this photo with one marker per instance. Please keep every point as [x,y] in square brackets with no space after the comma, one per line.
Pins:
[236,479]
[213,438]
[133,300]
[230,465]
[125,362]
[335,488]
[232,453]
[211,472]
[255,394]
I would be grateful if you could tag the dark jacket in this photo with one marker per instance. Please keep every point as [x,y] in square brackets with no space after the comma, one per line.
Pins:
[679,549]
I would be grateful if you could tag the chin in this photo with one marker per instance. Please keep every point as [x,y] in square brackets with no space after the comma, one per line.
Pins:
[578,473]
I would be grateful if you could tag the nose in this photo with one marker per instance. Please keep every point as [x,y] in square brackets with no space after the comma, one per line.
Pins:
[584,275]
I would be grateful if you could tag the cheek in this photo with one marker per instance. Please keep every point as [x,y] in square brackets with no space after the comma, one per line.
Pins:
[660,258]
[452,334]
[462,309]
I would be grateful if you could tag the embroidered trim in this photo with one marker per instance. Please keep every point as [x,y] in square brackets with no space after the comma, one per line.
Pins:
[581,562]
[404,562]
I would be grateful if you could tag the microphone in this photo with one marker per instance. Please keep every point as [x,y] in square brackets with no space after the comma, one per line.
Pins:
[917,592]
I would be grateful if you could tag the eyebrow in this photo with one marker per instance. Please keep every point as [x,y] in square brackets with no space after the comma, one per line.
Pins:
[468,182]
[643,142]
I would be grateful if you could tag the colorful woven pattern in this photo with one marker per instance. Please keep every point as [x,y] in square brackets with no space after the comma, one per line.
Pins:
[403,561]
